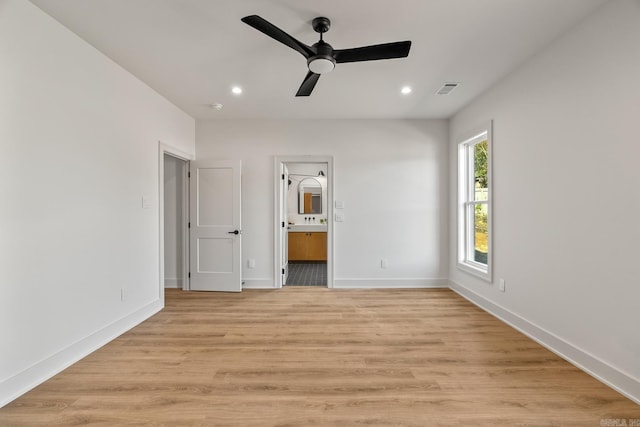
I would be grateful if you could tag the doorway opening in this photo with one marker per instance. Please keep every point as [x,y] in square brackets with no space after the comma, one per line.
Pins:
[176,215]
[173,207]
[304,202]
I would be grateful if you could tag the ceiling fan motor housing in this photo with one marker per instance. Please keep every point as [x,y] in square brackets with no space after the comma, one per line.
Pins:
[323,61]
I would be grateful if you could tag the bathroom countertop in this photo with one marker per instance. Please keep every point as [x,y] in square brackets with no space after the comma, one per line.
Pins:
[307,227]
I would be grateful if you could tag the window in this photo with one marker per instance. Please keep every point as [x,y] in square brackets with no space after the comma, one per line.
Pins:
[474,203]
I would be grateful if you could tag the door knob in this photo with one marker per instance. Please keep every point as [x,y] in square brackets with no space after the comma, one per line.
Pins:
[234,232]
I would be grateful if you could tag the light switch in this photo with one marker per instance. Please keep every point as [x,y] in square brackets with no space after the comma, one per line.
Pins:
[339,204]
[339,217]
[146,202]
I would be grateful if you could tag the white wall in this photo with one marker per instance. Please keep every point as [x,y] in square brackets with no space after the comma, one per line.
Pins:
[78,150]
[391,174]
[174,199]
[566,174]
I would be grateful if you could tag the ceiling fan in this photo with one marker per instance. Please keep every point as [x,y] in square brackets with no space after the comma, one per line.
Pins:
[321,57]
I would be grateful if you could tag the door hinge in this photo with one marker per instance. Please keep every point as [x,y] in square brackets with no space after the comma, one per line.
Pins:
[188,174]
[189,275]
[282,224]
[189,225]
[283,271]
[283,177]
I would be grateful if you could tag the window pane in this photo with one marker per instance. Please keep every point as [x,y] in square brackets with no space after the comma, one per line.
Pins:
[481,178]
[469,232]
[481,233]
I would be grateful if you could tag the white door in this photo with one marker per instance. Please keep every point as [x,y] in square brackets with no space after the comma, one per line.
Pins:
[215,227]
[284,229]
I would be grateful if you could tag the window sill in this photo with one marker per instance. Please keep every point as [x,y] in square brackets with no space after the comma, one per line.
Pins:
[484,274]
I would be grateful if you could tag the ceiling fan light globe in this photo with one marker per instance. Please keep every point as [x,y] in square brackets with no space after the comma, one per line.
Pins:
[321,65]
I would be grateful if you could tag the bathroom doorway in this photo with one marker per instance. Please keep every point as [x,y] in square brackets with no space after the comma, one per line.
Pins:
[304,228]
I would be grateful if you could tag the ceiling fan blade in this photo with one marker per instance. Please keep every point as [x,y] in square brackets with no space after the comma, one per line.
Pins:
[372,53]
[308,84]
[276,33]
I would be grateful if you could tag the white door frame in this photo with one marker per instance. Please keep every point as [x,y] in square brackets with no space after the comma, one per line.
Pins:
[284,218]
[277,226]
[172,151]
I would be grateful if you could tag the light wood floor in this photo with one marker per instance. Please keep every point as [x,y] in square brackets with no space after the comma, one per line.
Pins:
[318,357]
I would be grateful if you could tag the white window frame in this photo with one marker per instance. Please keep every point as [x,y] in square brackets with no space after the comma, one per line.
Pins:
[467,202]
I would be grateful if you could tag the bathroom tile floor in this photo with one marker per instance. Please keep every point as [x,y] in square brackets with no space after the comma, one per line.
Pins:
[307,274]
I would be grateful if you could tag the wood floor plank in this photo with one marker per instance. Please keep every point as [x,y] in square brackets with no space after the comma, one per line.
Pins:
[305,356]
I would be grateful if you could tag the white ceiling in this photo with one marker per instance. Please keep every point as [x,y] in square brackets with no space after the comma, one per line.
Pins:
[194,51]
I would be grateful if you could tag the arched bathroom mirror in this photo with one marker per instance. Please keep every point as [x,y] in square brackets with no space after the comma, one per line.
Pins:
[309,196]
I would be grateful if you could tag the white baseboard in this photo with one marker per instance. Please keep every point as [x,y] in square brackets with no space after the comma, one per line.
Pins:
[15,386]
[385,283]
[172,283]
[257,284]
[599,369]
[375,283]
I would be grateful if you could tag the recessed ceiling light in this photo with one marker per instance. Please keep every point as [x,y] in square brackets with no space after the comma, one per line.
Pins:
[237,90]
[406,90]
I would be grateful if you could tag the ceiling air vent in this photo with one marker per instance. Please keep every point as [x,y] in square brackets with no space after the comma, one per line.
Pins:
[447,88]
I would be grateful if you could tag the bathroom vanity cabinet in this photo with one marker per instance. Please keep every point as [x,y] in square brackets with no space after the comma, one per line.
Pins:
[307,246]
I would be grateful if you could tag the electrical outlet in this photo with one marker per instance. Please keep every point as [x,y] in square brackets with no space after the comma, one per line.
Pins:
[339,217]
[384,263]
[252,263]
[501,285]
